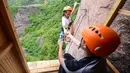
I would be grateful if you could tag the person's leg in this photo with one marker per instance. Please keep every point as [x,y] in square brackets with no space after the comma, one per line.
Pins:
[68,57]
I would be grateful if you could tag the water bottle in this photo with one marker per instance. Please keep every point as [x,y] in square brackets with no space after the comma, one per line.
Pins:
[61,36]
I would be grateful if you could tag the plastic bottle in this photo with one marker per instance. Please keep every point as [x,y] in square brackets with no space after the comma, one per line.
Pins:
[61,36]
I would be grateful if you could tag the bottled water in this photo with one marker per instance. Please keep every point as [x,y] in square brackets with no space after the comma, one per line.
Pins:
[61,36]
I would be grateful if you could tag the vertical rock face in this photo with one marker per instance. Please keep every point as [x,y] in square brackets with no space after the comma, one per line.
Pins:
[21,19]
[95,12]
[121,57]
[90,12]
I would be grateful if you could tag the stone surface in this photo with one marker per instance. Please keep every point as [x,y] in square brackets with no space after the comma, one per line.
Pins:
[21,18]
[121,57]
[90,12]
[95,11]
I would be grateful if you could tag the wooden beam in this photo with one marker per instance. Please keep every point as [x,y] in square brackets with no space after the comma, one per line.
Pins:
[111,67]
[9,27]
[53,65]
[124,12]
[111,16]
[43,66]
[5,49]
[114,11]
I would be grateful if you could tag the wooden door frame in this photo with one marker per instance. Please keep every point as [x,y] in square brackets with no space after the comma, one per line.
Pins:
[11,32]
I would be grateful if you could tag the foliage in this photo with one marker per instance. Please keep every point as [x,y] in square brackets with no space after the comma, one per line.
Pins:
[13,10]
[45,24]
[13,4]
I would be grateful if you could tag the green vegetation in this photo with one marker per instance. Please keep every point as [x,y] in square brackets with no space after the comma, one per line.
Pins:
[13,4]
[45,26]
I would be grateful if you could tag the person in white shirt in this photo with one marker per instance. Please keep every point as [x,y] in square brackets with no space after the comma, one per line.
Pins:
[67,23]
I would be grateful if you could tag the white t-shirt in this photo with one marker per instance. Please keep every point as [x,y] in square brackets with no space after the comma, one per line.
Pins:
[65,23]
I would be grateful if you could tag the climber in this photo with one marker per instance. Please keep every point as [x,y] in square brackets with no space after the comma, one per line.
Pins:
[98,41]
[67,23]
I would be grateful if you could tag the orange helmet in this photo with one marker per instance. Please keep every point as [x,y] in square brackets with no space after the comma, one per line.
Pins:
[67,8]
[101,40]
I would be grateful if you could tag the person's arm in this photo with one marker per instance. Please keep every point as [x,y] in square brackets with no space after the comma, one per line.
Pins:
[75,4]
[66,64]
[60,53]
[77,42]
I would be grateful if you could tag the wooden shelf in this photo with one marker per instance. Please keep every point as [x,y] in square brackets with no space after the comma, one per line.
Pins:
[5,49]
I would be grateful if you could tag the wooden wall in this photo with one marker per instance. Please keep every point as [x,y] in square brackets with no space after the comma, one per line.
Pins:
[11,55]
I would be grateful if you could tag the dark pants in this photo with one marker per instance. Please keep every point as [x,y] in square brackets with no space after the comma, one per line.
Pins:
[67,56]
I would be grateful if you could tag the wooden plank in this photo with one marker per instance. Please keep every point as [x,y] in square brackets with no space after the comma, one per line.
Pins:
[114,11]
[124,12]
[43,70]
[2,69]
[6,1]
[6,65]
[112,67]
[111,16]
[10,63]
[15,61]
[43,66]
[8,26]
[5,49]
[53,65]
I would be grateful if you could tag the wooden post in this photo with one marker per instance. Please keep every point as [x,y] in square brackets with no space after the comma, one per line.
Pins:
[114,11]
[11,54]
[111,16]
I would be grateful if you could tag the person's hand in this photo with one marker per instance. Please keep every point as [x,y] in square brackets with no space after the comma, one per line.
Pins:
[60,43]
[75,4]
[68,34]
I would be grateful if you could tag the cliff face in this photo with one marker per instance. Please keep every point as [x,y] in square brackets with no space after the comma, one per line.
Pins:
[95,12]
[90,12]
[121,57]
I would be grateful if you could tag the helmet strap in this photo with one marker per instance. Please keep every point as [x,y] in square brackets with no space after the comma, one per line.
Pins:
[80,43]
[86,49]
[80,46]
